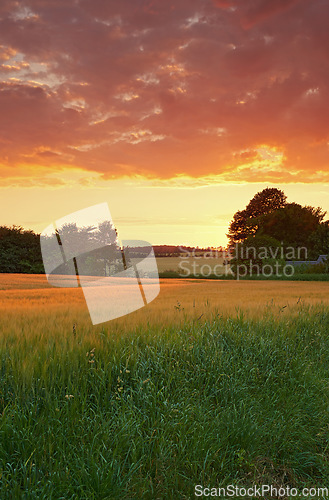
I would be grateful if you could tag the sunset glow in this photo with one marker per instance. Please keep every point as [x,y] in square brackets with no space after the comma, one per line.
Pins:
[175,113]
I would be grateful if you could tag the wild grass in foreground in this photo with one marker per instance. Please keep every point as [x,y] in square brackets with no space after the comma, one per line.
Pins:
[153,412]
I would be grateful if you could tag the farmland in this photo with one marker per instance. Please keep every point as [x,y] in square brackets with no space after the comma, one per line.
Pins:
[193,265]
[23,296]
[213,383]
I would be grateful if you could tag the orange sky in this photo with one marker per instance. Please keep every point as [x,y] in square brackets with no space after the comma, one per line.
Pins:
[174,112]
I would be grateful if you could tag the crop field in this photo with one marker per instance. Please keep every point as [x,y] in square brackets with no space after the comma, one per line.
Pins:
[214,383]
[199,266]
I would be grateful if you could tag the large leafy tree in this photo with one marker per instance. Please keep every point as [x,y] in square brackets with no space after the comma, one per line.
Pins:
[294,224]
[245,222]
[254,253]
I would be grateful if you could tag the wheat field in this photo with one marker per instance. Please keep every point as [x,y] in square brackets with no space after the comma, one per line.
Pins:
[214,382]
[29,303]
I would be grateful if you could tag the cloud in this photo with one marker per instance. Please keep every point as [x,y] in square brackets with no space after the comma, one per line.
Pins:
[129,88]
[261,10]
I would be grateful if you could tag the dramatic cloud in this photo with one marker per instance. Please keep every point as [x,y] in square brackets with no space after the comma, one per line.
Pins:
[233,89]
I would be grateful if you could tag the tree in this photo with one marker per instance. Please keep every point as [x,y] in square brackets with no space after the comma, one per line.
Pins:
[254,253]
[94,248]
[19,251]
[320,239]
[238,230]
[293,225]
[244,222]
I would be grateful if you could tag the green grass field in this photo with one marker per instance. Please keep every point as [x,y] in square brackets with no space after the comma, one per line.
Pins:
[148,406]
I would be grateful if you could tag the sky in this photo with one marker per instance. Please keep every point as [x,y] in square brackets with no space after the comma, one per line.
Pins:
[174,112]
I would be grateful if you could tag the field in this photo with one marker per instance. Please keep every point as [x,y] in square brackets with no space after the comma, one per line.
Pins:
[198,266]
[213,383]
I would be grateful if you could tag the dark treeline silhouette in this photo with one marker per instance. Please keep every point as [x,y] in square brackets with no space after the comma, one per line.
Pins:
[20,251]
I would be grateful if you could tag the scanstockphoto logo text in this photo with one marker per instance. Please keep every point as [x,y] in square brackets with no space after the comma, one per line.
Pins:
[241,261]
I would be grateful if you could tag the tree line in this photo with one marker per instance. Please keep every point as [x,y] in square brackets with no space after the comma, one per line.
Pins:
[20,250]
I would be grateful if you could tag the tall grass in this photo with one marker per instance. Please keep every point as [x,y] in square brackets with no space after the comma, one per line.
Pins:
[151,410]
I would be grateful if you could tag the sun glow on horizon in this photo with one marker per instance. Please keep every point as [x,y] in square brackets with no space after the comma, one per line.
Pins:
[176,114]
